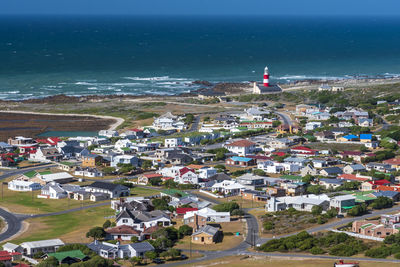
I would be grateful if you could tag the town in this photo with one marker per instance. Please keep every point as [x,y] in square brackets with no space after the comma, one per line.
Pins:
[264,177]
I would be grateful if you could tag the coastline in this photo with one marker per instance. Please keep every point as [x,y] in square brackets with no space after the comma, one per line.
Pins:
[230,88]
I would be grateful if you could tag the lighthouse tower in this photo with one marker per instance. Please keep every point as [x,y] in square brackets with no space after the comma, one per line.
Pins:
[266,77]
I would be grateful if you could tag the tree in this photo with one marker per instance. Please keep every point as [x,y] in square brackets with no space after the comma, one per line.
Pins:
[358,210]
[315,189]
[307,179]
[276,123]
[332,212]
[108,170]
[220,155]
[185,230]
[96,232]
[259,172]
[107,224]
[160,203]
[156,181]
[150,255]
[49,262]
[382,203]
[135,260]
[174,253]
[134,239]
[316,210]
[147,164]
[164,254]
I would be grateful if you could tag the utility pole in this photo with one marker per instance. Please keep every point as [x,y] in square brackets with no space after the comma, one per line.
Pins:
[190,245]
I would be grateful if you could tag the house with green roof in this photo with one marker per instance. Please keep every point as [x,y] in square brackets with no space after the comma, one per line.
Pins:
[174,194]
[69,257]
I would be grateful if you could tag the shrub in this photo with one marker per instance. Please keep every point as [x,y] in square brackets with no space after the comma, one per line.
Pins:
[269,226]
[380,252]
[317,250]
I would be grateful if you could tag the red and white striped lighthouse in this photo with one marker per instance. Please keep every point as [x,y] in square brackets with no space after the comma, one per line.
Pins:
[266,77]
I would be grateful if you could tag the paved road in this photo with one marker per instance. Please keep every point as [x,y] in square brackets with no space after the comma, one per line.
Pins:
[286,119]
[195,125]
[14,225]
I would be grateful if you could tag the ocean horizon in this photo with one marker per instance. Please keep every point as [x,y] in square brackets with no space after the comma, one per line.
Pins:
[100,55]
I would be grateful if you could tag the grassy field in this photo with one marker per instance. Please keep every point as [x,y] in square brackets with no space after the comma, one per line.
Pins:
[244,203]
[261,261]
[70,228]
[142,192]
[28,203]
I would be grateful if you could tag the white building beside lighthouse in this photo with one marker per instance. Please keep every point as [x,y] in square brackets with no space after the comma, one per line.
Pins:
[265,87]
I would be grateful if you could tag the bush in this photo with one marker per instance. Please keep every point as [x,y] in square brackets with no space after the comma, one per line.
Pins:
[185,230]
[269,226]
[358,210]
[380,252]
[316,210]
[226,207]
[397,255]
[382,203]
[317,250]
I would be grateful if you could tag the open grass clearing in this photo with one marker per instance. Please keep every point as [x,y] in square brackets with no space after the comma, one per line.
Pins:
[228,242]
[70,227]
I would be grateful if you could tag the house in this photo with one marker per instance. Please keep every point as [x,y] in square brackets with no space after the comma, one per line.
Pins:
[241,147]
[145,178]
[303,151]
[394,163]
[312,125]
[393,195]
[381,167]
[173,142]
[125,159]
[113,251]
[180,212]
[123,233]
[46,154]
[168,121]
[182,175]
[228,187]
[140,220]
[363,122]
[91,160]
[302,203]
[113,190]
[132,203]
[373,228]
[366,138]
[353,168]
[343,203]
[308,170]
[88,172]
[69,257]
[354,177]
[206,172]
[205,235]
[240,161]
[251,181]
[73,151]
[346,138]
[45,246]
[10,247]
[331,171]
[199,218]
[24,186]
[108,133]
[331,183]
[254,195]
[54,190]
[59,177]
[6,258]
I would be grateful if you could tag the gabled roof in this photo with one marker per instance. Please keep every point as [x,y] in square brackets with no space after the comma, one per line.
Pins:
[185,170]
[242,143]
[108,186]
[76,254]
[207,229]
[142,246]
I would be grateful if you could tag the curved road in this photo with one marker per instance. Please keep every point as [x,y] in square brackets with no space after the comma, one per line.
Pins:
[286,119]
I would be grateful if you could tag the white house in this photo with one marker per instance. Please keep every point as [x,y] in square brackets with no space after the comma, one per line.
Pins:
[182,175]
[173,142]
[312,125]
[241,147]
[20,185]
[108,133]
[53,190]
[210,214]
[228,187]
[207,172]
[113,190]
[112,251]
[142,220]
[45,246]
[302,203]
[124,159]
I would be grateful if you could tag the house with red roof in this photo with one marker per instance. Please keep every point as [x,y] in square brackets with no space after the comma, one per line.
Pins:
[372,185]
[241,147]
[354,177]
[303,151]
[8,257]
[182,175]
[145,178]
[395,163]
[180,212]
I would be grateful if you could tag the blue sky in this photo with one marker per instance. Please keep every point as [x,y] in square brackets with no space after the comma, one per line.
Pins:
[203,7]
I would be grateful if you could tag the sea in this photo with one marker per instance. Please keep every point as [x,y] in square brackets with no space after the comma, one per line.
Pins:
[98,55]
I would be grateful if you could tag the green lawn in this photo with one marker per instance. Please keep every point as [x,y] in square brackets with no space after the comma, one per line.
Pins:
[70,227]
[25,202]
[142,192]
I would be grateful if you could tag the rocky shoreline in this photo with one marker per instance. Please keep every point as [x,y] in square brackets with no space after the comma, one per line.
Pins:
[224,87]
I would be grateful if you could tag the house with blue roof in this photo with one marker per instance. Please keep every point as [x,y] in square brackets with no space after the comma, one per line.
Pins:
[330,183]
[349,137]
[240,161]
[393,195]
[366,138]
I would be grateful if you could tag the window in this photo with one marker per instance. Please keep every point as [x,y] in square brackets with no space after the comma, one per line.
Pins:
[125,220]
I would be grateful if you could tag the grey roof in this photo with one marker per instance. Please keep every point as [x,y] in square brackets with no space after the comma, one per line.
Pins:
[332,181]
[208,229]
[142,246]
[43,243]
[357,167]
[220,177]
[108,186]
[389,194]
[333,170]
